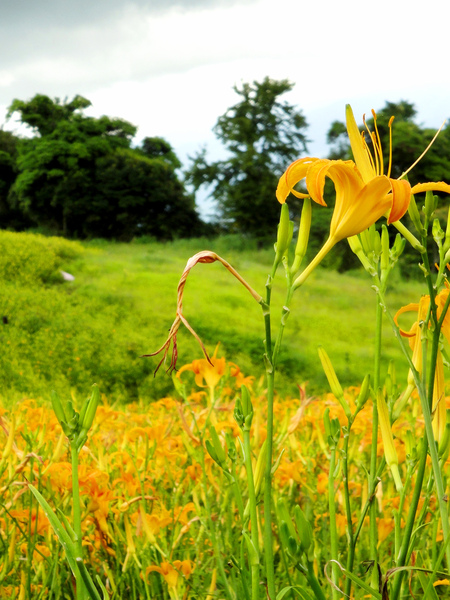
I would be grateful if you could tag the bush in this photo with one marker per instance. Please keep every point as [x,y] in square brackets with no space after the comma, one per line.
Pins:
[31,259]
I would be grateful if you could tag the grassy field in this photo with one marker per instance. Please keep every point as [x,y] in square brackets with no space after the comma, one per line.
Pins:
[68,335]
[154,499]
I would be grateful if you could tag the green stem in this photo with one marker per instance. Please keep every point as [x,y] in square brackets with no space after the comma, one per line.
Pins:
[253,515]
[371,494]
[312,579]
[373,531]
[268,543]
[270,376]
[348,510]
[81,588]
[215,543]
[428,435]
[401,558]
[333,531]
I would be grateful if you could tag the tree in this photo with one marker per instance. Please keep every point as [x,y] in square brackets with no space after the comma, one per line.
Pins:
[156,147]
[125,206]
[80,176]
[262,135]
[9,217]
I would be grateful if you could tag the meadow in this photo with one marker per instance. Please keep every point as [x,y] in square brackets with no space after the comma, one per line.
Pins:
[66,336]
[157,487]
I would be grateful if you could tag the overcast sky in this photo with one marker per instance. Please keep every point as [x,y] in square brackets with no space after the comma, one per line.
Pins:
[169,66]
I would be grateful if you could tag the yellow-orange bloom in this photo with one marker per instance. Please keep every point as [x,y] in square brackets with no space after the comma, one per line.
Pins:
[358,205]
[415,342]
[210,372]
[363,192]
[171,571]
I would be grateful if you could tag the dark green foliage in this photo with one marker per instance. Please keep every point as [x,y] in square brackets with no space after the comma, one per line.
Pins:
[125,206]
[9,217]
[263,135]
[80,177]
[156,147]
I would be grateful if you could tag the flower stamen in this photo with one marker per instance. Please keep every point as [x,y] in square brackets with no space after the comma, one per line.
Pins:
[366,148]
[376,140]
[425,151]
[390,145]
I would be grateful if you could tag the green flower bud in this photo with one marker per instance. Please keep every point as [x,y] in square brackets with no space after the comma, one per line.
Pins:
[304,528]
[288,541]
[231,446]
[333,381]
[397,248]
[411,450]
[375,240]
[260,469]
[284,234]
[218,449]
[390,452]
[437,232]
[384,248]
[284,516]
[303,235]
[430,204]
[211,451]
[252,551]
[239,413]
[88,416]
[364,393]
[447,233]
[247,407]
[59,410]
[355,244]
[415,216]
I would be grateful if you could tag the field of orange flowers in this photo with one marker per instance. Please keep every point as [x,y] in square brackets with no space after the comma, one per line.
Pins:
[156,508]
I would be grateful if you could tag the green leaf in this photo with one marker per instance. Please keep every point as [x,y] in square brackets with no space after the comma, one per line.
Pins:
[63,536]
[90,587]
[362,584]
[300,591]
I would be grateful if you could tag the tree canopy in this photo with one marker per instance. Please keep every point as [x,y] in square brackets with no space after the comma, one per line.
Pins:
[79,175]
[262,134]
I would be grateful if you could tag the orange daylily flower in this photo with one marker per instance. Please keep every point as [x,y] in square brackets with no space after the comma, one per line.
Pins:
[210,372]
[171,571]
[414,334]
[363,192]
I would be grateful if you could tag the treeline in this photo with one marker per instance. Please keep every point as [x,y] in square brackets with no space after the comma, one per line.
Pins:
[82,177]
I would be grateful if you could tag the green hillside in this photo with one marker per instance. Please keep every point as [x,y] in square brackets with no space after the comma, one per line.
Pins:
[63,335]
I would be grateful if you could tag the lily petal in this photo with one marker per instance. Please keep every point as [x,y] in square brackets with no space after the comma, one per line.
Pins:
[293,174]
[343,174]
[354,215]
[401,196]
[431,186]
[360,152]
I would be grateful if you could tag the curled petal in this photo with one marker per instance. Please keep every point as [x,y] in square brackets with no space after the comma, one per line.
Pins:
[404,309]
[344,175]
[431,186]
[401,196]
[293,174]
